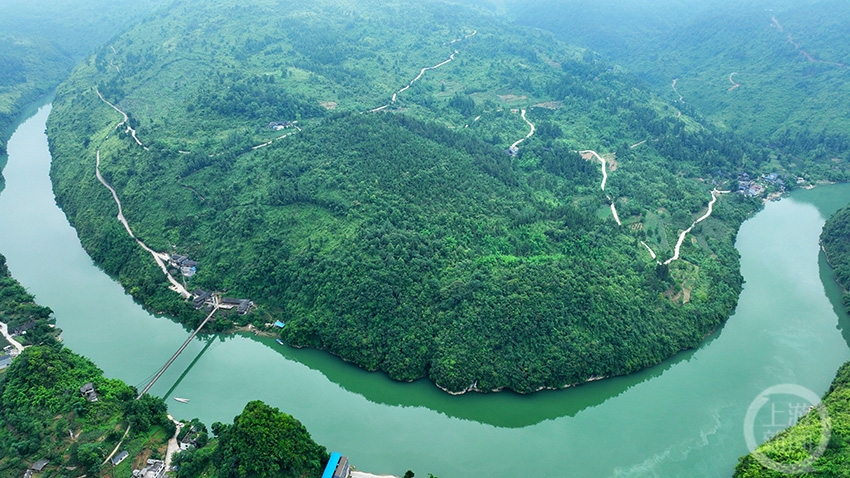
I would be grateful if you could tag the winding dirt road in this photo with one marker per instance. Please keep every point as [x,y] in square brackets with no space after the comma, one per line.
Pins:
[126,120]
[681,98]
[601,160]
[514,147]
[604,180]
[734,83]
[159,257]
[402,90]
[714,194]
[422,72]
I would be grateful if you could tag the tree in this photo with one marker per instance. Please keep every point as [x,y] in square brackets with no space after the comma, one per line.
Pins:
[263,441]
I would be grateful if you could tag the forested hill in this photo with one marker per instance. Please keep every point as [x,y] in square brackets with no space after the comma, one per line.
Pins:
[29,67]
[41,40]
[775,71]
[356,169]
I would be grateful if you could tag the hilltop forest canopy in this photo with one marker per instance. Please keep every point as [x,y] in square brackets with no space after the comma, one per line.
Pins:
[389,225]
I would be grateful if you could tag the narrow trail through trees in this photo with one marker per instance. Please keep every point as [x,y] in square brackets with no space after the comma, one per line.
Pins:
[714,195]
[591,153]
[125,121]
[514,147]
[159,257]
[681,98]
[588,154]
[734,83]
[422,72]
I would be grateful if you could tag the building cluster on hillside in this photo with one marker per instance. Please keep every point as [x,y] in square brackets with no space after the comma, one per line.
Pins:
[187,266]
[202,298]
[755,186]
[154,469]
[279,125]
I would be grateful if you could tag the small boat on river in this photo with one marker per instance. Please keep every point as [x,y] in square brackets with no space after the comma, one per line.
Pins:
[280,342]
[182,400]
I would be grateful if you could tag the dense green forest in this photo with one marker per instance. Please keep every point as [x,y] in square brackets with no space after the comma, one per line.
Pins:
[29,67]
[262,441]
[400,235]
[795,444]
[41,40]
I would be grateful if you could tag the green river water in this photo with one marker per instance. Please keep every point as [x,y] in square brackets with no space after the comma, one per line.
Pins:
[683,417]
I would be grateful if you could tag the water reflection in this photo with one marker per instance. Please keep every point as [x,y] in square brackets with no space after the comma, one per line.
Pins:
[504,409]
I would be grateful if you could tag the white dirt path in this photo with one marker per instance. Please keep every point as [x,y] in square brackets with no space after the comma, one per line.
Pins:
[422,72]
[402,90]
[173,447]
[126,120]
[514,147]
[734,83]
[604,165]
[651,252]
[159,257]
[714,194]
[681,98]
[4,329]
[604,180]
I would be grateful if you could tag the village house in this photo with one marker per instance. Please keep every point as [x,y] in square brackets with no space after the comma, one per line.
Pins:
[115,460]
[22,328]
[201,297]
[89,392]
[279,125]
[187,266]
[242,305]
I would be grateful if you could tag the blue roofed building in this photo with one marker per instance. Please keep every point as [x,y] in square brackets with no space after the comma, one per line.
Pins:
[337,467]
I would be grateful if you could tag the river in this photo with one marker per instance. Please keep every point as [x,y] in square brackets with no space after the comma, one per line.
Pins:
[683,417]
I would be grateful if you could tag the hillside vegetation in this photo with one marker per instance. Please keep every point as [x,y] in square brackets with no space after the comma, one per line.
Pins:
[41,408]
[262,441]
[29,67]
[775,72]
[18,309]
[392,227]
